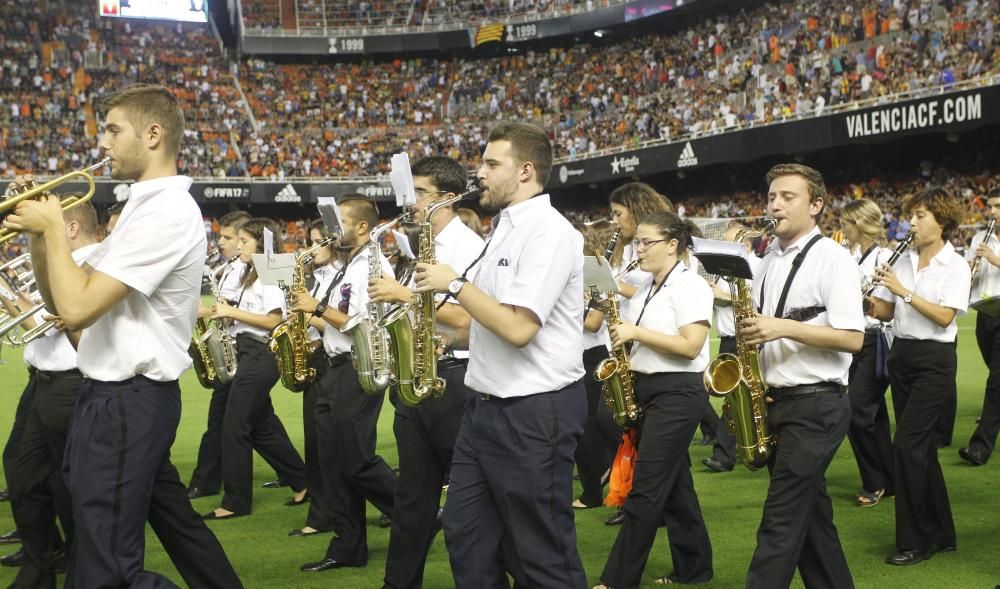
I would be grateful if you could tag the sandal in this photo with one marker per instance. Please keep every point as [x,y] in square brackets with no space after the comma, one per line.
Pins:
[869,498]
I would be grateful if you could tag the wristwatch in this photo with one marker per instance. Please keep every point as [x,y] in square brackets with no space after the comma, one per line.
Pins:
[455,286]
[320,309]
[908,298]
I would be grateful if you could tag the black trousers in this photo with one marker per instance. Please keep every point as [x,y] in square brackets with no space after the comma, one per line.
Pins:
[923,384]
[346,424]
[724,449]
[38,491]
[601,435]
[662,487]
[318,517]
[119,476]
[984,438]
[250,424]
[17,429]
[796,529]
[869,433]
[207,473]
[509,506]
[425,437]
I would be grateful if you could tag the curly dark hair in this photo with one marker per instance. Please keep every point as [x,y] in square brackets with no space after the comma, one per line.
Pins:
[947,210]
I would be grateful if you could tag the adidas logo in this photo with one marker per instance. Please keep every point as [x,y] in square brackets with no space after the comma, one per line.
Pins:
[287,194]
[688,158]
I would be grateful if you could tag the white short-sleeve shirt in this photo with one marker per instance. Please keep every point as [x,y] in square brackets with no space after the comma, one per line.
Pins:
[457,246]
[725,319]
[52,352]
[352,287]
[829,277]
[988,275]
[945,281]
[261,299]
[534,260]
[229,280]
[158,250]
[685,298]
[322,275]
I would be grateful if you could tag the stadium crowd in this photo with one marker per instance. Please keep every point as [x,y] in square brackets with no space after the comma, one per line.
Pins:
[777,61]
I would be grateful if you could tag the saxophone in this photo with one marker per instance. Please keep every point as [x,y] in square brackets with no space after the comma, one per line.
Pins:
[290,338]
[615,373]
[370,352]
[414,345]
[213,349]
[739,379]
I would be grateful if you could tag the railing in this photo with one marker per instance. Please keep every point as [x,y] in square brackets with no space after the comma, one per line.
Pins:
[364,30]
[982,81]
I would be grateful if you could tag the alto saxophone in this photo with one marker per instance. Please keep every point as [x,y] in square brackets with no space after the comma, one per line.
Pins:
[213,348]
[290,338]
[370,352]
[615,373]
[739,379]
[414,345]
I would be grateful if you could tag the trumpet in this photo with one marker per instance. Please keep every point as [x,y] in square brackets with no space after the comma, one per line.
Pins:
[8,205]
[13,322]
[32,334]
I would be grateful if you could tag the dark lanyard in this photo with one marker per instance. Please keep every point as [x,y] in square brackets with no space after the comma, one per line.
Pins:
[865,256]
[649,296]
[340,275]
[780,309]
[464,273]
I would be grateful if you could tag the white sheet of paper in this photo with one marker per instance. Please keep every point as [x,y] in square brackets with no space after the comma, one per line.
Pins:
[268,243]
[402,180]
[274,269]
[404,244]
[329,212]
[597,272]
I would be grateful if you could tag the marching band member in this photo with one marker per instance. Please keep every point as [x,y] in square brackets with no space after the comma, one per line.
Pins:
[512,471]
[207,476]
[869,434]
[38,492]
[346,417]
[923,295]
[668,321]
[810,323]
[601,435]
[249,422]
[136,300]
[318,518]
[425,434]
[983,440]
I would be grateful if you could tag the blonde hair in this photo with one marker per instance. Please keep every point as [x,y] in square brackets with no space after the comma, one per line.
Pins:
[867,216]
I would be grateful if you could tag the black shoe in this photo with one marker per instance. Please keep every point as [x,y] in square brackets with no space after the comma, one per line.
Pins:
[705,441]
[945,548]
[716,466]
[905,557]
[616,518]
[295,503]
[972,457]
[323,565]
[211,515]
[384,521]
[4,495]
[275,484]
[13,537]
[13,560]
[196,492]
[439,520]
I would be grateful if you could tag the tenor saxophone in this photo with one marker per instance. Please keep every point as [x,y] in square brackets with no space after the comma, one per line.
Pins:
[290,338]
[414,361]
[739,380]
[370,352]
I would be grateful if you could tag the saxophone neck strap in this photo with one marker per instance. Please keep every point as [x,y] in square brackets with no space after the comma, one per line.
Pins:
[779,311]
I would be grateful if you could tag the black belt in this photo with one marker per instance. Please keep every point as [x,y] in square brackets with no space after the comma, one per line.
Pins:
[334,361]
[260,339]
[451,362]
[778,393]
[873,329]
[50,375]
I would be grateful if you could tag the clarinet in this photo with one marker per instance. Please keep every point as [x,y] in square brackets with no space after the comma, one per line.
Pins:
[900,248]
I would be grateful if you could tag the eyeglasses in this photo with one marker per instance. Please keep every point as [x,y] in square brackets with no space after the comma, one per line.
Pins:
[345,298]
[646,243]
